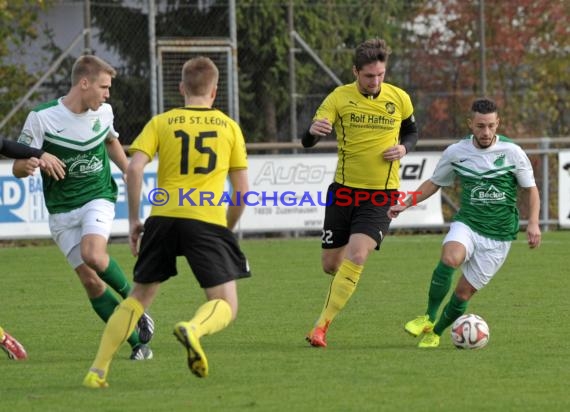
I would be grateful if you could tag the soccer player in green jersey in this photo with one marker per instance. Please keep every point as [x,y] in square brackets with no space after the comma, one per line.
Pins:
[198,147]
[490,168]
[375,128]
[78,129]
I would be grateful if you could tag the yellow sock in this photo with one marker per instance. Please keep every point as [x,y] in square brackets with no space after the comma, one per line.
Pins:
[119,327]
[1,333]
[341,289]
[211,317]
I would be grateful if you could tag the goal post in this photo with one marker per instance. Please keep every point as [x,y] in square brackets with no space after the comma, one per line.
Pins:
[171,55]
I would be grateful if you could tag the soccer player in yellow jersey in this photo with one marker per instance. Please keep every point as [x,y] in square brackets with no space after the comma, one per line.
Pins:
[198,147]
[375,128]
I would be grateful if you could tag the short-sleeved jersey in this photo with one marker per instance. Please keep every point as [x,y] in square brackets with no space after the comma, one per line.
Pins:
[489,179]
[197,147]
[365,128]
[79,141]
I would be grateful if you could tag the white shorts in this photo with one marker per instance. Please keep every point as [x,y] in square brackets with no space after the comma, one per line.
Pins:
[484,257]
[67,229]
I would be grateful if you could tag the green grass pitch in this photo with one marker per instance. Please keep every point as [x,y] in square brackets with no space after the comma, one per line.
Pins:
[262,363]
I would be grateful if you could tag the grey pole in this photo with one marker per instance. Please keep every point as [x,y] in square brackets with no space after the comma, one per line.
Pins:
[482,47]
[234,67]
[152,59]
[87,27]
[292,78]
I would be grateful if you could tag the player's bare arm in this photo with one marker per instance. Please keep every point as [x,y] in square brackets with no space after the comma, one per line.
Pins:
[240,184]
[424,191]
[118,156]
[533,229]
[134,174]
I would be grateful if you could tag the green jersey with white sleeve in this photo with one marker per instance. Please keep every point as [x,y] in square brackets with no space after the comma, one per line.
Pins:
[488,179]
[79,141]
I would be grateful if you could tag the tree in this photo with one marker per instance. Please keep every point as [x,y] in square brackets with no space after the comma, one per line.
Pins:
[527,53]
[124,30]
[333,28]
[17,29]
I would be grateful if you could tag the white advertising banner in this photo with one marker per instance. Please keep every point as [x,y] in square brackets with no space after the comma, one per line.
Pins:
[292,192]
[564,189]
[287,192]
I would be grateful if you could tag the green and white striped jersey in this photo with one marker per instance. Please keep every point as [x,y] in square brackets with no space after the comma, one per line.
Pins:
[79,141]
[488,179]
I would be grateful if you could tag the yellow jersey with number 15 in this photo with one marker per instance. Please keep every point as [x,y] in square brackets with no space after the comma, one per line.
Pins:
[365,127]
[197,147]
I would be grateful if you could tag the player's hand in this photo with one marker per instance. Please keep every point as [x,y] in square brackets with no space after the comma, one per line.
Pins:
[52,166]
[321,128]
[533,235]
[394,153]
[31,165]
[135,234]
[395,210]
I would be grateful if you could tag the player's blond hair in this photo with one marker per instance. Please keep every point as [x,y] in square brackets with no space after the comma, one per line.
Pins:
[90,66]
[199,76]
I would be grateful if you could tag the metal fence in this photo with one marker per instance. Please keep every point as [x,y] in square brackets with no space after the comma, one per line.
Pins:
[274,98]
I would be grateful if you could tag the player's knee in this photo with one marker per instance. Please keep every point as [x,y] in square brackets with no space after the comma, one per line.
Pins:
[464,294]
[359,257]
[94,261]
[330,264]
[451,260]
[329,268]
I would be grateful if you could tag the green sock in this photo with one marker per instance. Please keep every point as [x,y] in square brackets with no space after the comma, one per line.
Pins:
[454,309]
[115,277]
[105,305]
[438,288]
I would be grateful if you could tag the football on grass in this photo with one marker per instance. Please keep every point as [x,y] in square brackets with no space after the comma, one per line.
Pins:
[470,332]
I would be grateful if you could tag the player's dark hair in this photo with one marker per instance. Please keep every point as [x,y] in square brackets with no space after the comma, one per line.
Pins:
[484,106]
[371,51]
